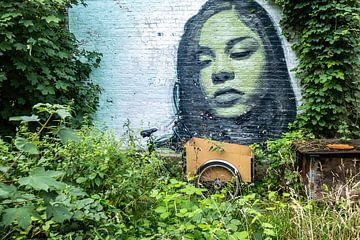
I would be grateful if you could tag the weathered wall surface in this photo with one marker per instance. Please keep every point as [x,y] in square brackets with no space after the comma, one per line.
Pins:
[222,68]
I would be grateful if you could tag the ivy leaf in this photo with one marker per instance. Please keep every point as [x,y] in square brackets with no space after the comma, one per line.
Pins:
[24,145]
[10,36]
[67,134]
[59,213]
[33,78]
[51,18]
[26,23]
[21,215]
[39,179]
[54,57]
[19,46]
[46,89]
[10,15]
[61,85]
[340,75]
[2,75]
[21,66]
[63,54]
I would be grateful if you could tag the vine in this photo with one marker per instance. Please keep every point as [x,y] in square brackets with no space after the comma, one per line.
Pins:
[326,38]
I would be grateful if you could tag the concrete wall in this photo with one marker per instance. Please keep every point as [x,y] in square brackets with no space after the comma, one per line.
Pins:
[142,64]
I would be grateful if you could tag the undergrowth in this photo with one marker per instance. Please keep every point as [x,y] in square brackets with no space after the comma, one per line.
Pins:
[57,183]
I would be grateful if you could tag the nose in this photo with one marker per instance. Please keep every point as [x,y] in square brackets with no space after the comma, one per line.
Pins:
[222,77]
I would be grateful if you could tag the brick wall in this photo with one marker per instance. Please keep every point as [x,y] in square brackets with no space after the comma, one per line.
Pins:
[142,63]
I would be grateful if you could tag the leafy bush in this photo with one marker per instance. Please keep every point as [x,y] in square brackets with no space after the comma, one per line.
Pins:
[279,160]
[182,211]
[326,38]
[122,177]
[40,60]
[57,183]
[36,202]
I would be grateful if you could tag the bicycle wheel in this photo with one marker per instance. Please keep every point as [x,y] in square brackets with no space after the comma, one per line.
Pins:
[217,175]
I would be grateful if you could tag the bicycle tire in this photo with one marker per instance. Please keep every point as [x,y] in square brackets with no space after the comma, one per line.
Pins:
[216,174]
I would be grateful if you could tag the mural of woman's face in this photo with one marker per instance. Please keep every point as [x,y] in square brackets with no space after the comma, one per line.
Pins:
[231,59]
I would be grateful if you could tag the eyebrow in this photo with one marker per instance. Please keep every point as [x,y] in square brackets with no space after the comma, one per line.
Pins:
[206,51]
[232,42]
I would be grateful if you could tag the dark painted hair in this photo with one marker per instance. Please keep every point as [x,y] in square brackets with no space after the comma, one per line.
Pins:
[269,113]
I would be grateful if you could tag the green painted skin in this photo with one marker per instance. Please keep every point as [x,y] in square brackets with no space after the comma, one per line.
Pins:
[234,49]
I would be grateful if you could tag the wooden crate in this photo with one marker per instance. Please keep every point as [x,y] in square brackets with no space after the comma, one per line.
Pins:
[330,172]
[199,151]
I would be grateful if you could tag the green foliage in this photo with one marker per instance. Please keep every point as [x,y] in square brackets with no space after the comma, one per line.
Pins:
[279,159]
[68,182]
[123,178]
[93,187]
[40,60]
[39,179]
[36,202]
[182,211]
[326,37]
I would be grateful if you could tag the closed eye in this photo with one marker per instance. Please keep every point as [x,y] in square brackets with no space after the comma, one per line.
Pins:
[204,57]
[241,48]
[204,63]
[241,55]
[204,60]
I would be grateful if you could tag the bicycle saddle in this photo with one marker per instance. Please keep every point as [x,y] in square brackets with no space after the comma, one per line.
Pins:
[148,132]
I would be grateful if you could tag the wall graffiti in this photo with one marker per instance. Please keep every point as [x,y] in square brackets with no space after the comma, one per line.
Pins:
[233,83]
[225,57]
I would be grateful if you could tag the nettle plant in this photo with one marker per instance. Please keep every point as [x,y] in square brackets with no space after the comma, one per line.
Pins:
[326,38]
[182,212]
[34,200]
[40,61]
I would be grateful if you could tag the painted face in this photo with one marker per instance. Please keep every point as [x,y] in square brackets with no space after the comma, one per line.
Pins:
[231,59]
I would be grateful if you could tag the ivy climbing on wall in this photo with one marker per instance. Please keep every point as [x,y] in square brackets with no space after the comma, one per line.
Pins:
[40,61]
[326,36]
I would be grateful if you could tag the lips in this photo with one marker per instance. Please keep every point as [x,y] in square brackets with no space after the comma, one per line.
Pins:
[227,97]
